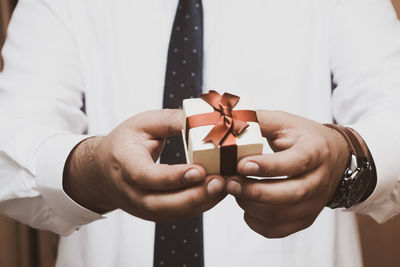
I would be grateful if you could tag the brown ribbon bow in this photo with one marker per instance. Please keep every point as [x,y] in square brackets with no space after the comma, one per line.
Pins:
[226,123]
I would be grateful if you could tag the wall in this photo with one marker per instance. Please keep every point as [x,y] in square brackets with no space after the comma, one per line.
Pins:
[396,4]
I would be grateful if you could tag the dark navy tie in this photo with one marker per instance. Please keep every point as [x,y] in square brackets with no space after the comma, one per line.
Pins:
[180,244]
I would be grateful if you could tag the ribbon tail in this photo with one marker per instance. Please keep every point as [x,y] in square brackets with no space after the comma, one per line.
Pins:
[239,126]
[216,135]
[218,132]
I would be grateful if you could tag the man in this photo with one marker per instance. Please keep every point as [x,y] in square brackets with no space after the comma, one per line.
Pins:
[281,53]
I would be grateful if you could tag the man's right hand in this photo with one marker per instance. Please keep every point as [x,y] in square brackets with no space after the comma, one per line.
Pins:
[119,171]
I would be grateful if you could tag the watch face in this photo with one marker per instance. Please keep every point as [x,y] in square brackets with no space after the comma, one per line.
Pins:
[360,183]
[353,185]
[356,191]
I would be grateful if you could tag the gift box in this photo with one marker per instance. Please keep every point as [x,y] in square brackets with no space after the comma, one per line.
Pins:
[219,131]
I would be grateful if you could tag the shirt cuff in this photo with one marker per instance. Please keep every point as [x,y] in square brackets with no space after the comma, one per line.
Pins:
[50,161]
[383,141]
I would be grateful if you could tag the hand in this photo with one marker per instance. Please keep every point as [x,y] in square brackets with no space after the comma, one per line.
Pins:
[312,156]
[119,171]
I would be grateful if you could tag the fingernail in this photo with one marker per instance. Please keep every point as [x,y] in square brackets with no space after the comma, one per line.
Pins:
[192,175]
[234,188]
[251,167]
[214,187]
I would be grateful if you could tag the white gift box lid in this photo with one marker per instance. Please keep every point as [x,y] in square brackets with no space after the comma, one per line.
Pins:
[249,142]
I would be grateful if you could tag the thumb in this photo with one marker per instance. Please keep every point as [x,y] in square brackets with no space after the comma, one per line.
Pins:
[159,123]
[272,123]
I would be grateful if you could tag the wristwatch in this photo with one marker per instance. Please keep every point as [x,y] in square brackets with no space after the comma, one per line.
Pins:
[359,176]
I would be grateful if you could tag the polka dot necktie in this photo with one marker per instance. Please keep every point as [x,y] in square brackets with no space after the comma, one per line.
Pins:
[180,244]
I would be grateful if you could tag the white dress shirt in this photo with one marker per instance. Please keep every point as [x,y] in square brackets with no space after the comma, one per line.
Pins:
[281,53]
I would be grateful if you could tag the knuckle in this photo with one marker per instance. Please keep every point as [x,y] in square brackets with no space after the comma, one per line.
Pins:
[139,178]
[299,195]
[171,179]
[150,206]
[114,162]
[324,142]
[150,177]
[263,169]
[256,193]
[181,180]
[268,166]
[113,168]
[195,201]
[325,153]
[166,179]
[305,162]
[170,128]
[114,158]
[177,116]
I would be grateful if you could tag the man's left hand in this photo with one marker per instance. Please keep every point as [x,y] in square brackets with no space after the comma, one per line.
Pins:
[312,156]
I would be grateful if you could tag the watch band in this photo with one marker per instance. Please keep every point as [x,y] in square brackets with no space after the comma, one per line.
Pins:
[352,141]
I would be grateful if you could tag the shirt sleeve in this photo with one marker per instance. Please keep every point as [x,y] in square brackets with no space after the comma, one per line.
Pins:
[365,60]
[41,89]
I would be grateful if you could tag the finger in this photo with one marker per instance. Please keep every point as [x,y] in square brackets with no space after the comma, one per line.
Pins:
[277,230]
[293,161]
[146,174]
[278,215]
[159,123]
[134,163]
[288,191]
[169,206]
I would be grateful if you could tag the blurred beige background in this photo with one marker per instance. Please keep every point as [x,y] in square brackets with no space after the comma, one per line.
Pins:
[22,246]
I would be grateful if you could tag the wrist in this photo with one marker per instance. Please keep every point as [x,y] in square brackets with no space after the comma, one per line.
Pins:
[82,177]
